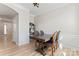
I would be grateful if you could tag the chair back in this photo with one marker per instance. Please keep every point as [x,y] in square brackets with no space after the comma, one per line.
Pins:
[54,38]
[41,32]
[36,33]
[57,36]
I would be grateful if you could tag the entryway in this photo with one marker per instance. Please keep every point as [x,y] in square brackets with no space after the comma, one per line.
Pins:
[7,17]
[6,35]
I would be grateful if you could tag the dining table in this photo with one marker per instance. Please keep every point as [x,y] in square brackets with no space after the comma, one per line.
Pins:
[44,37]
[39,42]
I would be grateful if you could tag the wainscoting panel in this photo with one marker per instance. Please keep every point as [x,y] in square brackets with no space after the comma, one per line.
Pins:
[70,41]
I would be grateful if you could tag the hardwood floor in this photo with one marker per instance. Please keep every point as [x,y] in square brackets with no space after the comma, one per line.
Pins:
[6,43]
[29,50]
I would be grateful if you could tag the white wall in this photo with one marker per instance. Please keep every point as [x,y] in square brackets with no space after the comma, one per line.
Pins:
[32,18]
[24,27]
[23,23]
[15,29]
[1,28]
[63,19]
[59,19]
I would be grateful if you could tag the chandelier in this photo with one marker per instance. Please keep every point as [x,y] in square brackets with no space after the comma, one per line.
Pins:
[36,5]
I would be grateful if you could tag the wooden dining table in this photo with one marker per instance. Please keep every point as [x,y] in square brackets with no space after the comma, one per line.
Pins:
[40,39]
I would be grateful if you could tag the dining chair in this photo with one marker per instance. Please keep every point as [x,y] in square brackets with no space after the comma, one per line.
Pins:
[41,32]
[53,42]
[50,43]
[57,37]
[36,33]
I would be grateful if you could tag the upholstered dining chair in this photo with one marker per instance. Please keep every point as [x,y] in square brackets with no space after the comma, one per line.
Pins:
[50,43]
[57,37]
[41,32]
[53,42]
[36,33]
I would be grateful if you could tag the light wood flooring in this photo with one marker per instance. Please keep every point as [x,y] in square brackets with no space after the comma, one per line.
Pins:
[6,43]
[29,50]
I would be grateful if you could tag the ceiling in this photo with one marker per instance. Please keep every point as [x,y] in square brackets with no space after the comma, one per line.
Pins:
[43,7]
[6,12]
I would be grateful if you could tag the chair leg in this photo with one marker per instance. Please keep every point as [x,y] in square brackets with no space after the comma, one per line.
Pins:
[56,45]
[52,52]
[54,49]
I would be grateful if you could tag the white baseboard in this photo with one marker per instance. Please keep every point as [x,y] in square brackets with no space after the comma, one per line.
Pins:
[22,43]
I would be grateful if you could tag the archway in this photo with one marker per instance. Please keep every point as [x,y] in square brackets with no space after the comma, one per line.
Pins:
[22,24]
[7,21]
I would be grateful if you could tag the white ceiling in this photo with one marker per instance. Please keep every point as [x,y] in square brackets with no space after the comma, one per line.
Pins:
[6,12]
[43,7]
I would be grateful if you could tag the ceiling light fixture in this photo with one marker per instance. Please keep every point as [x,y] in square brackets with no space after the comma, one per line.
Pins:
[36,5]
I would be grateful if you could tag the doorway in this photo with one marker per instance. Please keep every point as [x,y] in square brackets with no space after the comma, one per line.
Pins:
[6,34]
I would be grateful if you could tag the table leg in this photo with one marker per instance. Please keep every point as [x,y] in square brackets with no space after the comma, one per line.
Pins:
[40,48]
